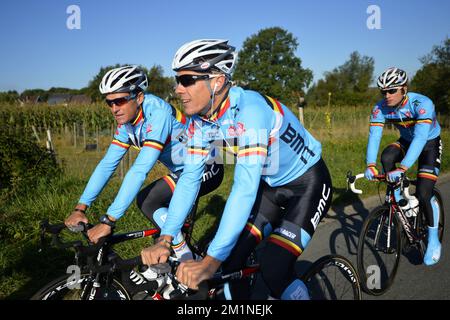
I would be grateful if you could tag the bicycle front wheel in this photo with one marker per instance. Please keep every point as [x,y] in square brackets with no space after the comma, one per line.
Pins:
[379,249]
[67,288]
[332,277]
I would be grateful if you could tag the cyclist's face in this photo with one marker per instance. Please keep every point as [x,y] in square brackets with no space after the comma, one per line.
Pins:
[124,111]
[196,96]
[394,99]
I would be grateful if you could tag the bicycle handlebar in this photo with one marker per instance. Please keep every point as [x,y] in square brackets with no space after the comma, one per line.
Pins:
[404,181]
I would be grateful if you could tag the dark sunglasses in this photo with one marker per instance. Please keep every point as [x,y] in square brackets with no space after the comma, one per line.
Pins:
[187,80]
[120,101]
[390,91]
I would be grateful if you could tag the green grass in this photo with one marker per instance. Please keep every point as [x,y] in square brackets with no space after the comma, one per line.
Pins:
[23,270]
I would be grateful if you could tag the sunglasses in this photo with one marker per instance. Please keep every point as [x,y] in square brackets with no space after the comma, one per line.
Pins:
[187,80]
[120,101]
[390,91]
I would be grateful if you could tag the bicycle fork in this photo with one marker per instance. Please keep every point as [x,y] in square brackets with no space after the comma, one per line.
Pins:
[390,224]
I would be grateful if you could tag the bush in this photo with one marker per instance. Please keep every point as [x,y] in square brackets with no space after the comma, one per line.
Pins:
[23,163]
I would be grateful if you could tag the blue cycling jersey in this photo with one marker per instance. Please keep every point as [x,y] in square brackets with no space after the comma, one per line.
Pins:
[159,133]
[269,143]
[416,120]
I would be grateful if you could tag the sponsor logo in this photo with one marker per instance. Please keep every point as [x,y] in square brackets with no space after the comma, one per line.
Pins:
[286,233]
[205,65]
[321,207]
[422,111]
[236,131]
[149,128]
[296,143]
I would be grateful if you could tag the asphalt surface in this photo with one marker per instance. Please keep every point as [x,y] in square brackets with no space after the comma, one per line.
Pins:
[339,233]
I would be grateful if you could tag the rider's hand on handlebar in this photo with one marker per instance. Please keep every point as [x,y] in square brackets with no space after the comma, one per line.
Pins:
[395,175]
[75,218]
[191,272]
[371,172]
[99,231]
[158,253]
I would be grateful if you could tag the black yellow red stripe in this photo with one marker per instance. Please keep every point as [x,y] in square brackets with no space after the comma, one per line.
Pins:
[254,231]
[426,121]
[139,117]
[405,101]
[169,180]
[197,150]
[221,111]
[153,144]
[120,144]
[286,244]
[274,104]
[177,114]
[256,149]
[377,124]
[428,176]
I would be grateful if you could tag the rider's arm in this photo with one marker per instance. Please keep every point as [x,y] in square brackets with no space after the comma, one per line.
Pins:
[160,121]
[105,168]
[247,176]
[375,133]
[188,185]
[422,129]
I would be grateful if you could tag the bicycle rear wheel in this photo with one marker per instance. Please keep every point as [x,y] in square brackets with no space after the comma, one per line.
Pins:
[332,277]
[379,250]
[66,288]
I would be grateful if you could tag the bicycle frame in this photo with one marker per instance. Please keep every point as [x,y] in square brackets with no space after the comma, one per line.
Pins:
[408,226]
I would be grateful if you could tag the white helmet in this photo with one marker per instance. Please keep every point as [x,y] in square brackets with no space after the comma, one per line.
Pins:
[202,55]
[392,78]
[123,79]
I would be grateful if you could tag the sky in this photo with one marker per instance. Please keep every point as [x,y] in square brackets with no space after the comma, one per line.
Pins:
[38,50]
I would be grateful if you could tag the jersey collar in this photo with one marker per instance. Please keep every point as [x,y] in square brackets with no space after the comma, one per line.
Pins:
[138,118]
[219,112]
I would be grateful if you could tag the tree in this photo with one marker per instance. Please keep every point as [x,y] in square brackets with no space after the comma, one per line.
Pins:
[433,79]
[9,97]
[267,63]
[348,83]
[158,84]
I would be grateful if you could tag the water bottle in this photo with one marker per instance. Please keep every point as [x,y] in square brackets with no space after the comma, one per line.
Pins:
[413,207]
[409,207]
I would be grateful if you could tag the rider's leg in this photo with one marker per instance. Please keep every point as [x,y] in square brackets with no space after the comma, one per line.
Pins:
[429,165]
[265,214]
[392,154]
[309,198]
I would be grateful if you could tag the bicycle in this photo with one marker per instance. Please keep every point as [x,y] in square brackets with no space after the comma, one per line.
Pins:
[104,275]
[388,230]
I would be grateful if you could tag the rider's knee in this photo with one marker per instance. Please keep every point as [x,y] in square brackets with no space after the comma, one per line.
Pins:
[389,156]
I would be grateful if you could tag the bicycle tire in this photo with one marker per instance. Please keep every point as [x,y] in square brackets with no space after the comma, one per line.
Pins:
[378,269]
[59,289]
[318,280]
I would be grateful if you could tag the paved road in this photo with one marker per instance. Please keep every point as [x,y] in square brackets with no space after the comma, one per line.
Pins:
[339,234]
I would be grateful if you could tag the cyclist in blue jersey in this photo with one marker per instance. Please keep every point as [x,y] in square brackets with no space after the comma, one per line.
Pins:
[281,188]
[157,129]
[415,117]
